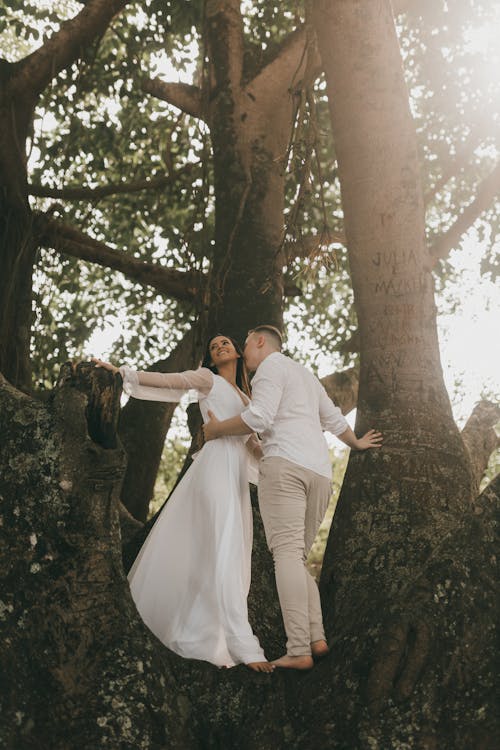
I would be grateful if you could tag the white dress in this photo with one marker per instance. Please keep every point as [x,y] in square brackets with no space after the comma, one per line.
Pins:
[191,578]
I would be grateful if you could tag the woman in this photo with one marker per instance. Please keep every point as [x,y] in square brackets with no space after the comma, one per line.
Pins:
[191,578]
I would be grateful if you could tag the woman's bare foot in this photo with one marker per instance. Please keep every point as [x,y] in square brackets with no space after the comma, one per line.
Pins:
[294,662]
[319,649]
[261,666]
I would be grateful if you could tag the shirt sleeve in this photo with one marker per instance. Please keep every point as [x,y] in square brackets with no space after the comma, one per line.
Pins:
[166,386]
[267,390]
[331,418]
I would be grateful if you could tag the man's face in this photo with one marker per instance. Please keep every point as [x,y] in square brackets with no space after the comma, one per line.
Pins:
[251,352]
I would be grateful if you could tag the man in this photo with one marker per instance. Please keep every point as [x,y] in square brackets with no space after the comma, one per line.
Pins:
[289,410]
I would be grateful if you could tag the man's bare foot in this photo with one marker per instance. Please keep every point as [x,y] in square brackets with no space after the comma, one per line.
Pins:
[319,649]
[261,666]
[294,662]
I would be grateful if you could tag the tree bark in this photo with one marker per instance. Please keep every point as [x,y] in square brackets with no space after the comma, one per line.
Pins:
[77,645]
[181,285]
[248,181]
[399,506]
[95,194]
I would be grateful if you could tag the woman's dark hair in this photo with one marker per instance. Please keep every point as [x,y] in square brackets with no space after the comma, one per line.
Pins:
[241,371]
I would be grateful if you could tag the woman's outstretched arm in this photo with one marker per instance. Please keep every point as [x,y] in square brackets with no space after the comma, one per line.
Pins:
[161,386]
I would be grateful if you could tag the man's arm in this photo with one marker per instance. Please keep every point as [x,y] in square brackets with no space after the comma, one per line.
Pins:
[214,428]
[267,389]
[371,439]
[333,420]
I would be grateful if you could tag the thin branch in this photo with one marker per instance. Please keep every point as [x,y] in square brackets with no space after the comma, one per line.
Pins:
[487,192]
[452,168]
[181,285]
[93,194]
[181,95]
[480,437]
[66,45]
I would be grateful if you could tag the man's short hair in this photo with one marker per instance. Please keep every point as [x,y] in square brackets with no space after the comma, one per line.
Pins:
[272,334]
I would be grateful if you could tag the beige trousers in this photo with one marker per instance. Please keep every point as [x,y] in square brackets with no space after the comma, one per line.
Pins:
[292,502]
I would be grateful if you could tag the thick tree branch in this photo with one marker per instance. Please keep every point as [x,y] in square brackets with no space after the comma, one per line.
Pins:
[181,95]
[487,192]
[480,436]
[65,46]
[103,191]
[298,59]
[181,285]
[297,55]
[342,387]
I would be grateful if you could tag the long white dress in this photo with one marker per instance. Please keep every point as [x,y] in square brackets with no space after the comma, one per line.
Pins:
[191,578]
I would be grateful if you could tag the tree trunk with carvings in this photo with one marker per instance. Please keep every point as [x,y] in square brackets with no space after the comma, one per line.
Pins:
[407,567]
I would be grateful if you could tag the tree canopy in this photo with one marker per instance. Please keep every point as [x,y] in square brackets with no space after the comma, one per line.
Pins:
[116,164]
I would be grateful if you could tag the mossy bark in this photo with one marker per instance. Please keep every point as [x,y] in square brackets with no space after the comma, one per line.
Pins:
[84,672]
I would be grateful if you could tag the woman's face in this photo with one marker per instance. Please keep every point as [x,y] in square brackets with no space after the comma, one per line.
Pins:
[222,350]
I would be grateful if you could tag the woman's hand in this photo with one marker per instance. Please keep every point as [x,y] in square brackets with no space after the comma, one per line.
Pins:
[106,365]
[254,446]
[371,439]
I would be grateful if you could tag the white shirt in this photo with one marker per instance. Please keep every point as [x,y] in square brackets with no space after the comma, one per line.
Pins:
[289,410]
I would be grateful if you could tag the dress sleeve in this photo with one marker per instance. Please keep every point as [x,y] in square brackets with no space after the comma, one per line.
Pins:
[166,386]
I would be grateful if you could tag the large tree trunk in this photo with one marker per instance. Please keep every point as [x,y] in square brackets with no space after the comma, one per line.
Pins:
[250,119]
[17,247]
[79,663]
[387,562]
